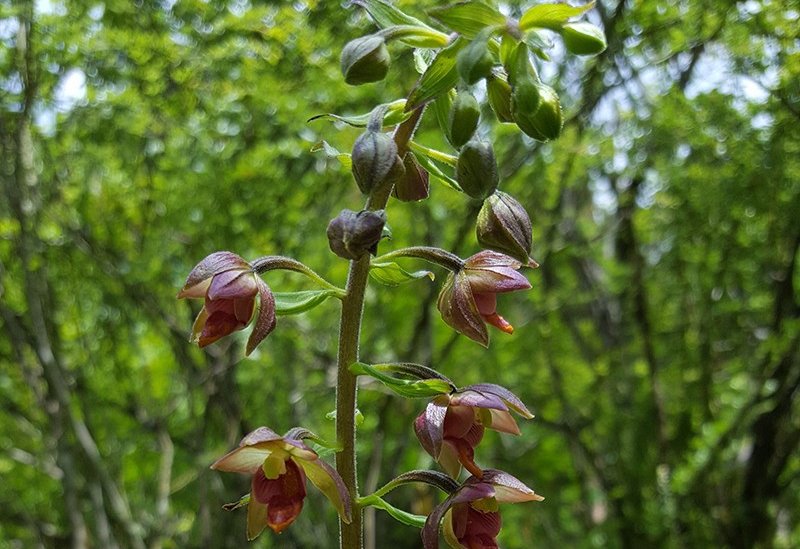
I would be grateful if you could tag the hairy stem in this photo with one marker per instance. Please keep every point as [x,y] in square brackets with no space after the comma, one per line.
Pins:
[351,535]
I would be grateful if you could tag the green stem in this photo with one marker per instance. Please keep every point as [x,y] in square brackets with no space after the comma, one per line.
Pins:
[351,535]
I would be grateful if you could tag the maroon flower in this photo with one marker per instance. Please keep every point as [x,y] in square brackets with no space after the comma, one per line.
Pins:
[452,425]
[280,466]
[471,516]
[229,286]
[468,299]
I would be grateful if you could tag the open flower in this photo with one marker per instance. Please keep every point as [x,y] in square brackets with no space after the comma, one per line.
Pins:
[229,286]
[471,517]
[468,299]
[280,466]
[452,425]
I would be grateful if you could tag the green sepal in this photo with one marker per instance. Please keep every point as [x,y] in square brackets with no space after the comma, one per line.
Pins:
[418,388]
[386,15]
[293,303]
[469,18]
[395,114]
[409,519]
[392,274]
[440,76]
[551,16]
[332,152]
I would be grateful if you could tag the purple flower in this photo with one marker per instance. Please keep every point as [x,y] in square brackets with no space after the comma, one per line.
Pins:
[471,516]
[452,425]
[280,466]
[229,286]
[468,299]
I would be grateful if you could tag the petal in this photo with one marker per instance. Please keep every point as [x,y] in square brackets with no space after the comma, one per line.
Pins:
[256,519]
[243,309]
[430,532]
[197,327]
[508,397]
[474,489]
[265,322]
[458,309]
[503,422]
[489,259]
[458,421]
[328,481]
[449,530]
[262,434]
[499,322]
[232,284]
[282,511]
[197,291]
[245,459]
[298,449]
[213,264]
[486,302]
[449,459]
[509,489]
[496,280]
[468,396]
[484,523]
[218,325]
[433,425]
[291,484]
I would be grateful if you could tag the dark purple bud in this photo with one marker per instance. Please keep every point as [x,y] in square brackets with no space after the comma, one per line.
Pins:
[413,185]
[351,234]
[504,226]
[374,159]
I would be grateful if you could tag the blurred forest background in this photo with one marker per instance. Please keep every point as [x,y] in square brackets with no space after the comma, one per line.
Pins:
[659,347]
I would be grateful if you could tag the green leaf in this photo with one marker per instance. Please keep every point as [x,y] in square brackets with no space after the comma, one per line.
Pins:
[439,78]
[416,36]
[430,160]
[392,274]
[386,15]
[395,114]
[551,16]
[409,388]
[292,303]
[468,18]
[409,519]
[332,152]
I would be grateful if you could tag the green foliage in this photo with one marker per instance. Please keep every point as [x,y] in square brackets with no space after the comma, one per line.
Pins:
[658,349]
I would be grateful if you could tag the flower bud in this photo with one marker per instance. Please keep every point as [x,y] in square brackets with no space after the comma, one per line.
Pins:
[374,158]
[351,234]
[475,61]
[583,38]
[499,92]
[413,184]
[365,60]
[546,122]
[476,169]
[504,226]
[463,121]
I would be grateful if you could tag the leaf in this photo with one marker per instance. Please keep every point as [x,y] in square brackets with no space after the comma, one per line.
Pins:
[409,388]
[468,18]
[386,16]
[333,152]
[395,114]
[292,303]
[409,519]
[551,16]
[392,274]
[431,164]
[440,76]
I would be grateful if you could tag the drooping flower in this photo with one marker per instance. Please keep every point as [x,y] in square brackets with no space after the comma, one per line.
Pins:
[280,466]
[468,299]
[471,516]
[452,425]
[229,286]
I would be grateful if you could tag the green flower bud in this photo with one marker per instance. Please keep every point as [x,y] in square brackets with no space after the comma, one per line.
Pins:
[475,61]
[583,38]
[499,92]
[504,226]
[365,60]
[413,185]
[476,169]
[374,158]
[351,234]
[464,115]
[546,122]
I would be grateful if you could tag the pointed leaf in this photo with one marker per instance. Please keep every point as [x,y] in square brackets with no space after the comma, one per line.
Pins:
[433,169]
[392,274]
[386,15]
[440,77]
[419,388]
[395,114]
[551,16]
[468,18]
[293,303]
[333,152]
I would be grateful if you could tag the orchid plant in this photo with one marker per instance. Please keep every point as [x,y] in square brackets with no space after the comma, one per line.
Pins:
[483,55]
